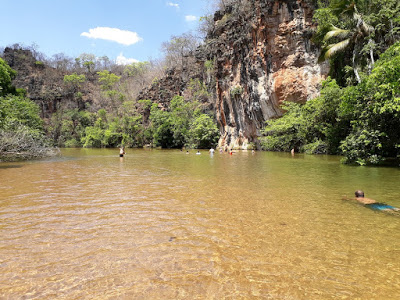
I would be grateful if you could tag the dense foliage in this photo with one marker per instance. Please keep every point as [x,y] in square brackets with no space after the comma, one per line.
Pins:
[361,122]
[357,113]
[183,124]
[354,33]
[6,76]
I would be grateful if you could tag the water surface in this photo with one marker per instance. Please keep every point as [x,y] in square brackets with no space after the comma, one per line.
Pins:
[167,225]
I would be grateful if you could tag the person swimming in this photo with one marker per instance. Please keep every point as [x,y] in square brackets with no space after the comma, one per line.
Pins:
[372,204]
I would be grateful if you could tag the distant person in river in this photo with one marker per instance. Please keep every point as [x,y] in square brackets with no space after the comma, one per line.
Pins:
[198,152]
[121,151]
[371,203]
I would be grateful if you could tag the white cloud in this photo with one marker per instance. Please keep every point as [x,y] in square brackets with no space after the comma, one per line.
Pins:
[122,60]
[173,4]
[123,37]
[190,18]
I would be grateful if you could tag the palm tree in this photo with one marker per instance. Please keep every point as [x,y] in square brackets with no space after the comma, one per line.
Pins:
[353,38]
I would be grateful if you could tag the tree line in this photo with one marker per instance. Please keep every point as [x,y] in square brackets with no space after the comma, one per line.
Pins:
[116,117]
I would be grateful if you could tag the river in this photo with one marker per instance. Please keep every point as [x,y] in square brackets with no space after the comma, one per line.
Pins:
[163,224]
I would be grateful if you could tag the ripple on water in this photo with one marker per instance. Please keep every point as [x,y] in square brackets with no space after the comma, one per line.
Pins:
[159,226]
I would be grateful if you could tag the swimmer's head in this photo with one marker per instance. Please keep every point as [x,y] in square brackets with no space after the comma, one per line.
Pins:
[359,194]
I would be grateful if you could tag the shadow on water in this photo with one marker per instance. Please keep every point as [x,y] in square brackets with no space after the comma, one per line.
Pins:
[10,166]
[22,163]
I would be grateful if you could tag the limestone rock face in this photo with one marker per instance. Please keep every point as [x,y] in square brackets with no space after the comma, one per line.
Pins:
[262,56]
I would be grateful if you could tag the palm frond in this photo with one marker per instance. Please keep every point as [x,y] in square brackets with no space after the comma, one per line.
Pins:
[332,49]
[336,32]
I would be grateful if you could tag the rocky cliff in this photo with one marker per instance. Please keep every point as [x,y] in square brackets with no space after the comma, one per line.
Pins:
[44,84]
[262,56]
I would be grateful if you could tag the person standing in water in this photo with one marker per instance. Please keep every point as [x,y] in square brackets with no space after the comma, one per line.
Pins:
[121,151]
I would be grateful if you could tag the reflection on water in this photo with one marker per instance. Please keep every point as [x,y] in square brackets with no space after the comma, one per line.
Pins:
[9,166]
[166,225]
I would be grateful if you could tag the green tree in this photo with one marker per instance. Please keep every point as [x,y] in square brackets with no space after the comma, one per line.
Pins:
[17,110]
[353,37]
[374,110]
[135,69]
[345,33]
[93,138]
[360,122]
[74,84]
[108,81]
[182,125]
[161,127]
[6,76]
[21,129]
[67,127]
[180,117]
[203,132]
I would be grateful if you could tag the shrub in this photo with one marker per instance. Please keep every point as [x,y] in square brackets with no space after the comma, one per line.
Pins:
[93,137]
[317,147]
[72,143]
[363,147]
[203,132]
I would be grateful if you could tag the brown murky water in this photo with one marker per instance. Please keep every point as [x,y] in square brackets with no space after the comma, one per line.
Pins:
[166,225]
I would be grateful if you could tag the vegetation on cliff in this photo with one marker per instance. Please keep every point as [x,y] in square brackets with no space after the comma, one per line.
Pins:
[357,113]
[354,33]
[361,122]
[21,129]
[93,102]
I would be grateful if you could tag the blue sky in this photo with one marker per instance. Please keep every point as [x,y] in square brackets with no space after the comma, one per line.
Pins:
[130,30]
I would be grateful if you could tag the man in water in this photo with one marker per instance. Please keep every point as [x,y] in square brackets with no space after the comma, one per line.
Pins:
[371,203]
[121,151]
